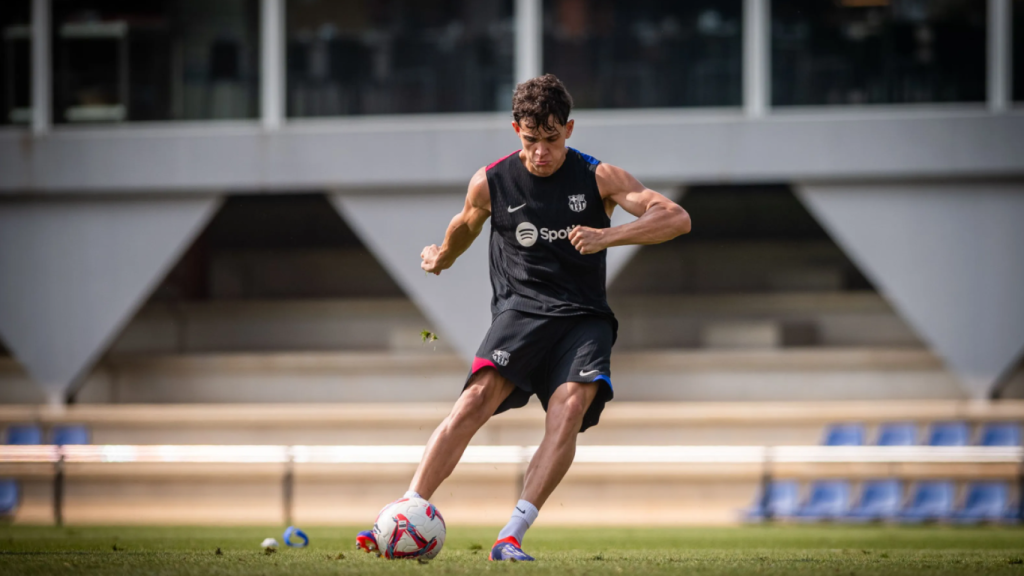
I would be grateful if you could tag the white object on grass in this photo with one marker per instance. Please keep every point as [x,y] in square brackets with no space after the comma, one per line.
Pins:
[269,543]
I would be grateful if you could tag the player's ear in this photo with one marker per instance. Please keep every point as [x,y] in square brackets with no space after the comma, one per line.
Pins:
[568,128]
[515,126]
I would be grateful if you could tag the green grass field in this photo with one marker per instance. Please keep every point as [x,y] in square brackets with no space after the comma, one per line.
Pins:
[833,550]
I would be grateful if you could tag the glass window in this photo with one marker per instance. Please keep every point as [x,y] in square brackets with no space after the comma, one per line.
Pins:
[1018,50]
[124,60]
[399,56]
[864,52]
[646,53]
[16,59]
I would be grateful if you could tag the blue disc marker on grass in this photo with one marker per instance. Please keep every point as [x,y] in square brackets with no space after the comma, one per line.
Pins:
[293,531]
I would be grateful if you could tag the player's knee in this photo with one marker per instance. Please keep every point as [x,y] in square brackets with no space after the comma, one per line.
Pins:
[474,406]
[571,413]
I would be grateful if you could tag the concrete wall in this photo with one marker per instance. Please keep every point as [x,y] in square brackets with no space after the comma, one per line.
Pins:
[406,152]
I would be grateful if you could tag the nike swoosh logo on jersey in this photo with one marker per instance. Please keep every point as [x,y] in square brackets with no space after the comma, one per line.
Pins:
[511,209]
[588,373]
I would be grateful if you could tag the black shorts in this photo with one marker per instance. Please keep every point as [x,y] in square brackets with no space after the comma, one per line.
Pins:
[540,353]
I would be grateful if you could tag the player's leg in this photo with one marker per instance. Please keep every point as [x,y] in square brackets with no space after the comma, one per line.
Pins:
[482,396]
[566,409]
[554,456]
[499,380]
[577,387]
[485,392]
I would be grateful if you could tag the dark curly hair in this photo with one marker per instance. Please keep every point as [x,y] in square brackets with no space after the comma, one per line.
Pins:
[539,99]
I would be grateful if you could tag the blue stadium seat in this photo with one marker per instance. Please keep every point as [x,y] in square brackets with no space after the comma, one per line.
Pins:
[931,501]
[70,434]
[783,499]
[949,434]
[879,500]
[1000,434]
[830,499]
[24,434]
[1014,514]
[844,435]
[897,434]
[985,502]
[18,434]
[9,497]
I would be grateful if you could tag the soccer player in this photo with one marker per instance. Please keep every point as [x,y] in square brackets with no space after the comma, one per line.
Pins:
[552,330]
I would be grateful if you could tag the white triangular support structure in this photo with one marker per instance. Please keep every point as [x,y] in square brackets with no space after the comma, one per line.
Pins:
[948,256]
[396,228]
[74,271]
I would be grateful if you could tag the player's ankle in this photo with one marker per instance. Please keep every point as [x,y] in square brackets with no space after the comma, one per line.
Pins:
[522,518]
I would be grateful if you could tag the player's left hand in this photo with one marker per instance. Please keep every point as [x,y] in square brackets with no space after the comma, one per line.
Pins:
[587,240]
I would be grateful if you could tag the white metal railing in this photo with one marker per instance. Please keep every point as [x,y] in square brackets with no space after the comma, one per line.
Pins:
[270,454]
[289,456]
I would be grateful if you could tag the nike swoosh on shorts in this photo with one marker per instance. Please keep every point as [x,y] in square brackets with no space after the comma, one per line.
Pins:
[511,209]
[588,373]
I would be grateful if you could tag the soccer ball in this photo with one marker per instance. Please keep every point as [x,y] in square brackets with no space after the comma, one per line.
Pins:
[409,528]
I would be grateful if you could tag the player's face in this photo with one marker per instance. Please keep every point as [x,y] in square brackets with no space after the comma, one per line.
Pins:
[543,149]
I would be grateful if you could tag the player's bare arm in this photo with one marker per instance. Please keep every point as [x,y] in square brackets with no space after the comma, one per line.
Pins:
[658,218]
[463,229]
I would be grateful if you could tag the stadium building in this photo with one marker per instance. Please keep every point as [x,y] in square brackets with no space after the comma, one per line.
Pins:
[211,215]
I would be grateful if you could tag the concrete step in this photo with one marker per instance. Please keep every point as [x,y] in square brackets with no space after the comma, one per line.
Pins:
[795,374]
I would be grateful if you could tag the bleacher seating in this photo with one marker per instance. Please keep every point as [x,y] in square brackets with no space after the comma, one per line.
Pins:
[1000,434]
[897,434]
[70,434]
[844,435]
[1015,511]
[10,489]
[829,500]
[783,502]
[879,500]
[985,502]
[932,501]
[24,434]
[949,434]
[9,497]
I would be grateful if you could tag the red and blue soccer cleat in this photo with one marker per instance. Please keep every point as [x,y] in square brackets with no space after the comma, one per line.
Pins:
[366,542]
[508,549]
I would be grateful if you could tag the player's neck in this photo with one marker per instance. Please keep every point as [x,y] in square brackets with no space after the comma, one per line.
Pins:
[544,172]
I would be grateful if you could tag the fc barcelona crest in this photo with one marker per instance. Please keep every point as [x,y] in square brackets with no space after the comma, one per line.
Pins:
[578,203]
[501,357]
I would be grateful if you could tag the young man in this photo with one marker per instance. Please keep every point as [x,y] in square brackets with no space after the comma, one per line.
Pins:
[552,330]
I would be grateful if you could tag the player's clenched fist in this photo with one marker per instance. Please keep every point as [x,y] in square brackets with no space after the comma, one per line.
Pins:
[430,256]
[587,240]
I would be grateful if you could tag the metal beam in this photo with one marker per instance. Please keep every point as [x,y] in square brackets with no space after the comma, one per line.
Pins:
[41,67]
[529,61]
[272,69]
[1000,52]
[756,57]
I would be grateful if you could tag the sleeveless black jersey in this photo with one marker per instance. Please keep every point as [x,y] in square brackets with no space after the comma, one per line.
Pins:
[534,266]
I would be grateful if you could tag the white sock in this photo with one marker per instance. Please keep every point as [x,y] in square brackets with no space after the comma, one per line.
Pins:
[522,518]
[413,494]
